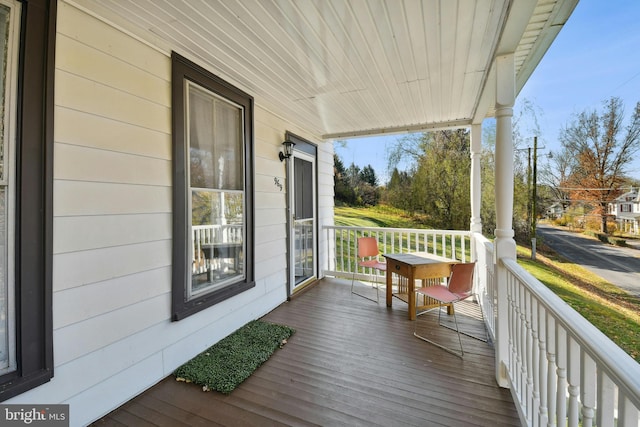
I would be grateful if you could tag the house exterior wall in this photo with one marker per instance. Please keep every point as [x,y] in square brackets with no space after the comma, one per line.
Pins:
[113,336]
[626,209]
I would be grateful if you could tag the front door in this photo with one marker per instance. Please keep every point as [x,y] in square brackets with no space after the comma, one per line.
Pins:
[303,219]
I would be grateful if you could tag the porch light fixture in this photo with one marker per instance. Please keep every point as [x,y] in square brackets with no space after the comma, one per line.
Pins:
[287,148]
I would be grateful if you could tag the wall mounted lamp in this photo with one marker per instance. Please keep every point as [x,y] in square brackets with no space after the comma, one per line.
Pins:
[287,150]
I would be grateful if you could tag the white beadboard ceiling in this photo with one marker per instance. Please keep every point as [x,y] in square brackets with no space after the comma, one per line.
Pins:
[343,68]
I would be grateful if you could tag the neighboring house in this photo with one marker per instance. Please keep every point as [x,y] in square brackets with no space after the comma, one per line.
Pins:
[626,210]
[146,213]
[554,211]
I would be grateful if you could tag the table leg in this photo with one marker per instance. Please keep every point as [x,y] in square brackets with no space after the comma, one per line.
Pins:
[412,295]
[389,287]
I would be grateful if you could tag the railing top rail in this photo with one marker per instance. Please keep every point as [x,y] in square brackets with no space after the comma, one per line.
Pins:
[212,226]
[617,364]
[390,229]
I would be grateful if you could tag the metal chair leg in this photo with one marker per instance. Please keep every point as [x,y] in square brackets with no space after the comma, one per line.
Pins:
[484,326]
[447,349]
[456,329]
[377,300]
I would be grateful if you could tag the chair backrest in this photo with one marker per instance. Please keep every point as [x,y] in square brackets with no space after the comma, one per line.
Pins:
[367,247]
[461,279]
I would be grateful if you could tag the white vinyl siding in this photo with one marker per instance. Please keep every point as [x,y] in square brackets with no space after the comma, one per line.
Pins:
[112,222]
[112,188]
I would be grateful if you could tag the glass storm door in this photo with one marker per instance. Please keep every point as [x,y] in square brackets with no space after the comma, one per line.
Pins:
[303,222]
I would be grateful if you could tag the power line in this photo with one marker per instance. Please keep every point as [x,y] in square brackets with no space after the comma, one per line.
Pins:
[587,189]
[634,76]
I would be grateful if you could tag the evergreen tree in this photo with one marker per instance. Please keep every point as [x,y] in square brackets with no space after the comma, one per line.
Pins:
[343,191]
[368,175]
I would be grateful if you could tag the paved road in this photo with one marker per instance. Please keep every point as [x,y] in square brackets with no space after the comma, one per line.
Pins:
[620,266]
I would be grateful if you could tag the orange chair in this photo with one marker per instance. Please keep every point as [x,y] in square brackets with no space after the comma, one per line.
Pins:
[459,287]
[368,257]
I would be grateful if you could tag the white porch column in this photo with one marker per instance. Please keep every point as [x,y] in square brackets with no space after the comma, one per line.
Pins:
[504,245]
[476,180]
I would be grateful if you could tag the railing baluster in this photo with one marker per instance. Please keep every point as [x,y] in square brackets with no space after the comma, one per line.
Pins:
[535,362]
[454,247]
[573,378]
[605,406]
[627,413]
[342,257]
[513,315]
[522,348]
[517,338]
[561,363]
[552,369]
[529,353]
[542,363]
[464,248]
[587,389]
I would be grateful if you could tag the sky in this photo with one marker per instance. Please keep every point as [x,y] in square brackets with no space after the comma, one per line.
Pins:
[594,57]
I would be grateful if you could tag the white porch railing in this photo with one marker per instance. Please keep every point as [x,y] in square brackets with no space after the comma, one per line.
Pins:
[562,370]
[486,286]
[342,246]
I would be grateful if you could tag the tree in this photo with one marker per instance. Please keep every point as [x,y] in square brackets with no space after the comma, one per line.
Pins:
[395,192]
[555,175]
[438,184]
[344,193]
[353,186]
[599,148]
[487,178]
[368,175]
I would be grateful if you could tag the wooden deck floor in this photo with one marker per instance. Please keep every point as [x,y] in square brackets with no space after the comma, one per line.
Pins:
[351,362]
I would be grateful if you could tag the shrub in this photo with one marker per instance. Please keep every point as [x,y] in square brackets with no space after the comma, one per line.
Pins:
[562,221]
[618,241]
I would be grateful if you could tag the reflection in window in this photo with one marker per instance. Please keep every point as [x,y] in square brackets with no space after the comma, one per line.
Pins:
[217,191]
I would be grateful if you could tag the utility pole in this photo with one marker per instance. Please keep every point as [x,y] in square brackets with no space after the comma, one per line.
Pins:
[532,191]
[534,196]
[529,205]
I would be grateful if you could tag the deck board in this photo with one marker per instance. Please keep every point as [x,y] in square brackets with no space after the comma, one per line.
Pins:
[351,362]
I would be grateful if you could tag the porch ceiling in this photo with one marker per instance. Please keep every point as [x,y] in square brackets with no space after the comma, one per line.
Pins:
[350,68]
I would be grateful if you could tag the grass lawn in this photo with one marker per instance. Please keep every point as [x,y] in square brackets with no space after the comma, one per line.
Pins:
[612,310]
[377,216]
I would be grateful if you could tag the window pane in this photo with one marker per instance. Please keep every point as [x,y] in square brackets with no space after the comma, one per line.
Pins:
[215,142]
[217,239]
[4,50]
[4,297]
[5,302]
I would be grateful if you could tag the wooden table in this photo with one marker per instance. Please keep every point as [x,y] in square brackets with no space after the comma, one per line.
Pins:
[414,266]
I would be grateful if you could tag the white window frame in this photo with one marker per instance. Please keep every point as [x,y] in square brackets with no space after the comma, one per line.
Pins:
[190,292]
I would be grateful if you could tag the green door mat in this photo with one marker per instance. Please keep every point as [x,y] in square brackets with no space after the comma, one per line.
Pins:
[226,364]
